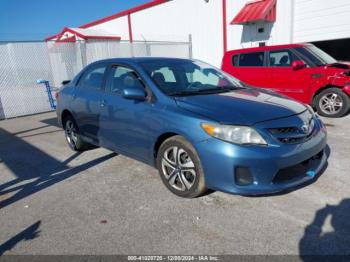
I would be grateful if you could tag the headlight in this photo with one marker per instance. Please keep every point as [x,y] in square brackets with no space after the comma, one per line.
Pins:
[235,134]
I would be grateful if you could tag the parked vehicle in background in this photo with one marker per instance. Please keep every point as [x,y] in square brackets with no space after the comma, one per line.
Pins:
[300,71]
[199,126]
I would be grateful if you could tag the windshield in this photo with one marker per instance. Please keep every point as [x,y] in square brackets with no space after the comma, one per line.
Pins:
[186,77]
[316,55]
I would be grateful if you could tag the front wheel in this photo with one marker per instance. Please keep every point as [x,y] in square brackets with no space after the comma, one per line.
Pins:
[180,168]
[332,102]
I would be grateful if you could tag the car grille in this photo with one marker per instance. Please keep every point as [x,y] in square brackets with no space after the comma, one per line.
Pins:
[293,135]
[283,130]
[299,170]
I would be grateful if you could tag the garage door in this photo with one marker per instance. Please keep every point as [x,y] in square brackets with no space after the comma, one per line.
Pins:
[339,49]
[317,20]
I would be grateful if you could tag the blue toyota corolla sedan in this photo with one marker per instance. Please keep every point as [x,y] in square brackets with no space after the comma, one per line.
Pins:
[201,128]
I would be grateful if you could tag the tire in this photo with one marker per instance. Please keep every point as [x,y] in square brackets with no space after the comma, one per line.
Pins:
[72,135]
[183,175]
[332,102]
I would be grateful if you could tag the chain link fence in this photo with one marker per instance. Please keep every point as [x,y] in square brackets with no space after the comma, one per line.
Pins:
[23,63]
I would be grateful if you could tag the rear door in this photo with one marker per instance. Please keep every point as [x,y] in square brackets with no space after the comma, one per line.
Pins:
[250,68]
[87,99]
[286,80]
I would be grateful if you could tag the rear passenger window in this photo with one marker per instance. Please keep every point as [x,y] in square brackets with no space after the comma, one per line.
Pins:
[281,58]
[92,77]
[252,59]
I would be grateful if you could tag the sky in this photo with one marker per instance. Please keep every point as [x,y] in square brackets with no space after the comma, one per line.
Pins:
[22,20]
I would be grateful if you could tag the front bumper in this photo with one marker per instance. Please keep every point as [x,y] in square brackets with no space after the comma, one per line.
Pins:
[219,161]
[346,89]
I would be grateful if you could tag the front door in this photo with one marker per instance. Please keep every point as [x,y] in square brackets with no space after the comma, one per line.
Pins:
[286,80]
[125,124]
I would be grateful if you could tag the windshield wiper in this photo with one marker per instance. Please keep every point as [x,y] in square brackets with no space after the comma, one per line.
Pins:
[232,87]
[205,91]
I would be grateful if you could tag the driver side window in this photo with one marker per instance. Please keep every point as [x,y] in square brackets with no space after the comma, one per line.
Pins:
[121,77]
[282,58]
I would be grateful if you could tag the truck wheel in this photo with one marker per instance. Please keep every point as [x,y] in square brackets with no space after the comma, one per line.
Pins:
[332,102]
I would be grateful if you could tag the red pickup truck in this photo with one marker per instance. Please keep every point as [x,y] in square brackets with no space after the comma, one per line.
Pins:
[300,71]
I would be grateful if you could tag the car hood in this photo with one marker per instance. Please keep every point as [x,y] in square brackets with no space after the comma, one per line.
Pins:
[241,107]
[345,63]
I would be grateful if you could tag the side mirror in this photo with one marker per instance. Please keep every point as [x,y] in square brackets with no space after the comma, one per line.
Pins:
[65,82]
[134,93]
[298,64]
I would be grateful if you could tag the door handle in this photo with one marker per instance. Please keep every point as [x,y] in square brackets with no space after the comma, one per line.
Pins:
[74,96]
[103,103]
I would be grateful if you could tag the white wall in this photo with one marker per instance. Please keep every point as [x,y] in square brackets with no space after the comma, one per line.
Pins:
[297,21]
[117,26]
[175,20]
[317,20]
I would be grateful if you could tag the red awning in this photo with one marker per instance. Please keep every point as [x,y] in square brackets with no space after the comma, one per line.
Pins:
[257,10]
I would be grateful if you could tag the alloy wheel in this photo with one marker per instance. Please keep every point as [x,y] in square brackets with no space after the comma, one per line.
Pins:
[71,133]
[331,103]
[178,168]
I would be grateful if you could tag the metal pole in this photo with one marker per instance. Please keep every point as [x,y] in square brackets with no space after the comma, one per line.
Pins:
[2,113]
[190,46]
[148,49]
[82,47]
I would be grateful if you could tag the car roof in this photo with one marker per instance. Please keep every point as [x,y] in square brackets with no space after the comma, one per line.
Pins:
[266,48]
[137,60]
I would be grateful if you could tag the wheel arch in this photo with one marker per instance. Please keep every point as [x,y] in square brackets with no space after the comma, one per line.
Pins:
[166,135]
[159,142]
[64,115]
[322,89]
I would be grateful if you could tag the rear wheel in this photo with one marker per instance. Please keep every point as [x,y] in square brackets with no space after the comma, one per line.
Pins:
[180,168]
[332,102]
[73,137]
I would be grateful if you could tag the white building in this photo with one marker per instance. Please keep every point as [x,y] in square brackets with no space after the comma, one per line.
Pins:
[219,25]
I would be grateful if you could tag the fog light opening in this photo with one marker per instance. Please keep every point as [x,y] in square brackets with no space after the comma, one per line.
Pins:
[243,176]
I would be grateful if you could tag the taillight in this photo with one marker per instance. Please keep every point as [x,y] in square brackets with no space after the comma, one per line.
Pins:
[57,95]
